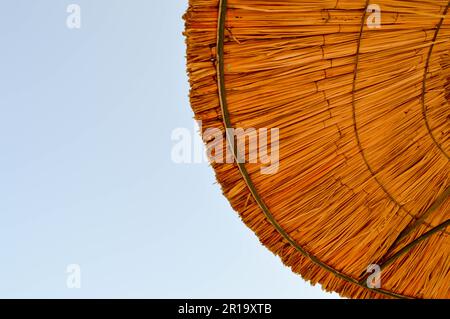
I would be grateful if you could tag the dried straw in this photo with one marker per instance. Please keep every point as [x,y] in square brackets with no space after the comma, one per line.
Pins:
[364,121]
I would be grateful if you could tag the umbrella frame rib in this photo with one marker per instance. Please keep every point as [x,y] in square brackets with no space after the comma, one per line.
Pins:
[220,69]
[441,198]
[437,203]
[408,247]
[424,87]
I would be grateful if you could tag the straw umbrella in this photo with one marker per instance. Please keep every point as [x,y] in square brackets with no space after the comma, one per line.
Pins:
[361,194]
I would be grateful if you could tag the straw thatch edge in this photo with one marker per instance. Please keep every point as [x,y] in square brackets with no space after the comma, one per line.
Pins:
[292,255]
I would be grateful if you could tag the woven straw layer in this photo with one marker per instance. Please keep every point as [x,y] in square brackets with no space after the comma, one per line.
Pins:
[364,146]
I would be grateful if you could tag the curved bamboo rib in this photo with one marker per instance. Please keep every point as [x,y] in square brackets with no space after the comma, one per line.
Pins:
[420,221]
[424,87]
[408,247]
[245,175]
[433,208]
[440,200]
[386,263]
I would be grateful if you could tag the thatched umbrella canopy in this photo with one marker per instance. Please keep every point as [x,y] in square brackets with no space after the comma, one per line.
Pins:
[363,117]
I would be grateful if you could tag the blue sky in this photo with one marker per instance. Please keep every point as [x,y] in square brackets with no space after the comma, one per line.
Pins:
[86,175]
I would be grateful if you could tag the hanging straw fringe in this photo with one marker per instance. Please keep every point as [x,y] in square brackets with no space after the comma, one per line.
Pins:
[363,119]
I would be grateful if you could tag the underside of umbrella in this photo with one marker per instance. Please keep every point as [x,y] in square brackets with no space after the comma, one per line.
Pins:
[358,91]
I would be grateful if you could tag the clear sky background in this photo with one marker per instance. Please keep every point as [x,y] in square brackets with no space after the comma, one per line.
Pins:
[86,175]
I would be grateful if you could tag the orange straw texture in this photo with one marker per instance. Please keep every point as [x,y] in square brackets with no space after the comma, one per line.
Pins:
[364,125]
